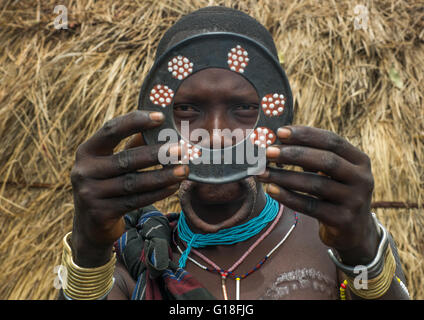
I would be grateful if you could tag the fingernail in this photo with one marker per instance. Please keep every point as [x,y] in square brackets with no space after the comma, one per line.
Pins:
[272,188]
[264,175]
[174,150]
[283,133]
[156,116]
[272,152]
[180,171]
[173,187]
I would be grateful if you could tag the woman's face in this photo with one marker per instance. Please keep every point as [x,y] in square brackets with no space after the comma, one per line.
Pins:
[214,99]
[211,99]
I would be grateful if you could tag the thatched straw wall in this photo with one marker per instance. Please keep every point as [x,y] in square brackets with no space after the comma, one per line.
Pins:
[57,87]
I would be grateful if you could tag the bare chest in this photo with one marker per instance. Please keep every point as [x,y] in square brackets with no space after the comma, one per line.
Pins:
[299,269]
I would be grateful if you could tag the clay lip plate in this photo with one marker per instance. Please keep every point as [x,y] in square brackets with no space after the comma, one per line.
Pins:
[219,50]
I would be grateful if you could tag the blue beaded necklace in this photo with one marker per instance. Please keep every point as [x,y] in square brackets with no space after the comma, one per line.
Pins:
[226,236]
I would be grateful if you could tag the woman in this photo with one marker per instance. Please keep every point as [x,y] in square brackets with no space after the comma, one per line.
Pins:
[310,212]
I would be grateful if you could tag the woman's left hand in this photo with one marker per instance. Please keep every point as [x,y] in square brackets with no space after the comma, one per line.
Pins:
[338,195]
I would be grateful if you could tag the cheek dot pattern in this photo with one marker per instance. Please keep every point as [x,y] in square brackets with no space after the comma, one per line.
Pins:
[180,67]
[273,104]
[238,59]
[189,152]
[262,137]
[161,95]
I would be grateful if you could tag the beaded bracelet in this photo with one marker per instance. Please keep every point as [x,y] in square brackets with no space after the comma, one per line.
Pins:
[343,290]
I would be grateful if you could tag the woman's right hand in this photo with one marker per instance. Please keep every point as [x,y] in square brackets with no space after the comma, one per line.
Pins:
[106,186]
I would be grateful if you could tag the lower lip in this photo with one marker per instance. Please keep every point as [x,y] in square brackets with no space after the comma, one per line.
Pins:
[220,194]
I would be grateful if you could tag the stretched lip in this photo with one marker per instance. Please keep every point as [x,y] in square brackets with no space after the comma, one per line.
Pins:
[243,194]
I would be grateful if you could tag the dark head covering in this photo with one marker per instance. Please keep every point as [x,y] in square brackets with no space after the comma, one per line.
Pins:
[216,19]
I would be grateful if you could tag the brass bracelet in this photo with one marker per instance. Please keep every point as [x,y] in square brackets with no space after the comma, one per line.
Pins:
[375,267]
[381,270]
[86,283]
[378,286]
[76,294]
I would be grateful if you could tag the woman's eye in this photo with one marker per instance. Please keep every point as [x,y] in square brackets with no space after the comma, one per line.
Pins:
[185,111]
[184,108]
[246,107]
[246,110]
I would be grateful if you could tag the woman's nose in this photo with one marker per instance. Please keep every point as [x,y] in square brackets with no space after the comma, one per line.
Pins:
[219,129]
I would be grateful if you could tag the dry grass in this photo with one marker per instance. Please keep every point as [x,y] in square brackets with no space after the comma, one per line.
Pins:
[57,87]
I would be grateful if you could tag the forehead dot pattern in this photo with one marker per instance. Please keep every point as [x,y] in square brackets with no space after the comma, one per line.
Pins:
[161,95]
[262,137]
[238,59]
[180,67]
[273,104]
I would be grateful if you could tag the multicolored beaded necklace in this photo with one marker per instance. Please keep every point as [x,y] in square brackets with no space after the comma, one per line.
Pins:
[229,272]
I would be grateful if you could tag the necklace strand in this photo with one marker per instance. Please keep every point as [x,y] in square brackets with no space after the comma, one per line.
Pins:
[225,273]
[226,236]
[249,250]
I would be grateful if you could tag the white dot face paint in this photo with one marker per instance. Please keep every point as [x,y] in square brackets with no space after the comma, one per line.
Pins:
[262,136]
[189,151]
[273,104]
[180,67]
[238,59]
[159,94]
